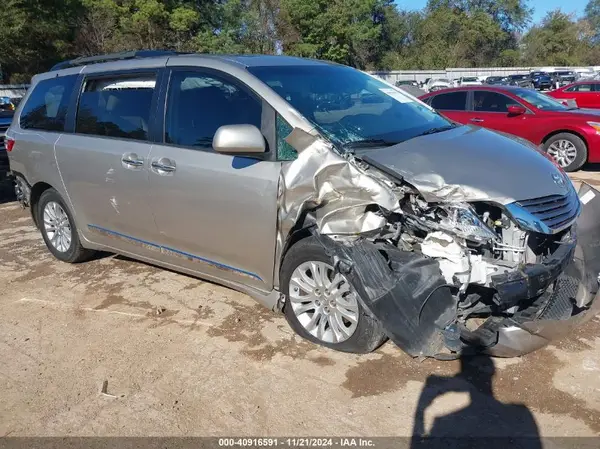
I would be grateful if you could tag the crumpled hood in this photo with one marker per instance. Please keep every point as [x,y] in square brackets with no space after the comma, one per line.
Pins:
[471,164]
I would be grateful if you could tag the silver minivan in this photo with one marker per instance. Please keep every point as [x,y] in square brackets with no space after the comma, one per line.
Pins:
[321,191]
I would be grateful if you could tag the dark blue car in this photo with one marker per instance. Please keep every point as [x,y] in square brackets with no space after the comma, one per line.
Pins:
[541,80]
[5,120]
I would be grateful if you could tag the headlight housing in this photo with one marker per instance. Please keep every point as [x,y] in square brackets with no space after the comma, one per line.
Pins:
[595,125]
[461,220]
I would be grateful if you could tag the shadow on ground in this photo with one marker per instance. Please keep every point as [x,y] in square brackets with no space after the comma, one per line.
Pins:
[7,192]
[591,168]
[483,417]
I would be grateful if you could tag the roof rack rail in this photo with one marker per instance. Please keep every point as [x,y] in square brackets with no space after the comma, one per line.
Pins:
[134,54]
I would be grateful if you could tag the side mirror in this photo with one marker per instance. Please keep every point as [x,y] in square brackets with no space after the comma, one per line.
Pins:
[514,109]
[233,139]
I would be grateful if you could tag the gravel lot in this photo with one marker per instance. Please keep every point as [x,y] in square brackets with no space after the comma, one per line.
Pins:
[187,357]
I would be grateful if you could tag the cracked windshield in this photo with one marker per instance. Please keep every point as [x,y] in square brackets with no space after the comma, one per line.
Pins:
[351,108]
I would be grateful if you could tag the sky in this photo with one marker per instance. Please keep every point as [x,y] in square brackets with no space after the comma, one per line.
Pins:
[540,7]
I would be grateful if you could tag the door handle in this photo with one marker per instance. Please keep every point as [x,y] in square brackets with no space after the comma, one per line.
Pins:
[477,120]
[132,161]
[163,166]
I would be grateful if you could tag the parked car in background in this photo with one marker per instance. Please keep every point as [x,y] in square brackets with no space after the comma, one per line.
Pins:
[359,220]
[415,91]
[584,74]
[407,83]
[469,81]
[571,136]
[6,104]
[566,77]
[5,121]
[438,84]
[520,80]
[541,80]
[586,94]
[497,80]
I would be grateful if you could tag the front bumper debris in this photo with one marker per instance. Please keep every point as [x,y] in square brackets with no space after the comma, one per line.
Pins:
[573,300]
[406,292]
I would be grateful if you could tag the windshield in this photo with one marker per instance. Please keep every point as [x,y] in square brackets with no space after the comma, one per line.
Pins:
[349,106]
[518,77]
[539,100]
[470,79]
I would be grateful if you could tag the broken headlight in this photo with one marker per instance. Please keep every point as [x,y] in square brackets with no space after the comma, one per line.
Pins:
[462,221]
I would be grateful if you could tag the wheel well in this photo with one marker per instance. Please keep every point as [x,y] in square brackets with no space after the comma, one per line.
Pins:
[295,237]
[567,131]
[36,193]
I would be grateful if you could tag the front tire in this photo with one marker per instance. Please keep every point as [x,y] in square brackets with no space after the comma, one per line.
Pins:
[322,306]
[569,151]
[58,229]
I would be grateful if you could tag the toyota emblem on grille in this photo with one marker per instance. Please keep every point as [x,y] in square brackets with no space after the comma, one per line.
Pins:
[558,179]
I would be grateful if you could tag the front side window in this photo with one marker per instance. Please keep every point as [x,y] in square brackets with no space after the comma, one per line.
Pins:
[46,107]
[540,101]
[285,152]
[453,101]
[198,104]
[349,107]
[485,101]
[116,107]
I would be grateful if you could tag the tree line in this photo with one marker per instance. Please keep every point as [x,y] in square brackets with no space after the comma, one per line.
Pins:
[367,34]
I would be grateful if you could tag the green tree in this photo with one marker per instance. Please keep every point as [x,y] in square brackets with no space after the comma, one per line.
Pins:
[35,33]
[554,42]
[592,16]
[345,31]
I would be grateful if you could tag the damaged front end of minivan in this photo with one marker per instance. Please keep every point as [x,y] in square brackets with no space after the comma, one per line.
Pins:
[447,267]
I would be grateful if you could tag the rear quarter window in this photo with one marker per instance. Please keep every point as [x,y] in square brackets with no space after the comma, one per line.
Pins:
[453,101]
[46,107]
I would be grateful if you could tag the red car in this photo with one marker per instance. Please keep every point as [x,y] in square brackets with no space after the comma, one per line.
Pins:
[570,135]
[585,93]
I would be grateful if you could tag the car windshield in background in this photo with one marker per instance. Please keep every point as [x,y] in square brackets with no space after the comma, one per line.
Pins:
[349,107]
[539,100]
[470,79]
[519,77]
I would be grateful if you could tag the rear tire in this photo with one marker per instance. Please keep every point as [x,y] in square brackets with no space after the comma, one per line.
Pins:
[569,151]
[366,333]
[58,229]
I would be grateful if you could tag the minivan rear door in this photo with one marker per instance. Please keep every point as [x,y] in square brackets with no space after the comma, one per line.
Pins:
[216,213]
[105,161]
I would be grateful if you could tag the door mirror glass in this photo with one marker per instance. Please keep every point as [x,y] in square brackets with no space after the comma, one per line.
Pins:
[514,109]
[233,139]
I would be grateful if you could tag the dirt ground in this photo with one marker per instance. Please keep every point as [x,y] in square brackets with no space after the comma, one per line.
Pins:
[187,357]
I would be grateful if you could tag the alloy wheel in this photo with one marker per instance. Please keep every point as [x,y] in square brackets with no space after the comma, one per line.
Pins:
[563,151]
[57,226]
[324,302]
